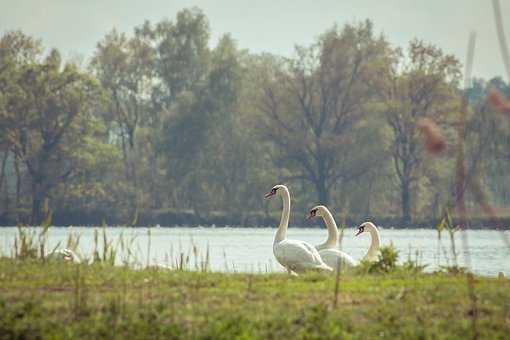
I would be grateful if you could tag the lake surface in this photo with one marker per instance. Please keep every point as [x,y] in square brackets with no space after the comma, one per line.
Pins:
[250,249]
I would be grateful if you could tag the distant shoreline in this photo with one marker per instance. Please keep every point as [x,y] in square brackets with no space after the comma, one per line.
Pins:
[223,220]
[244,227]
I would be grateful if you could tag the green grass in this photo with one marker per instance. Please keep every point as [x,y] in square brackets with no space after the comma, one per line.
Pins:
[61,300]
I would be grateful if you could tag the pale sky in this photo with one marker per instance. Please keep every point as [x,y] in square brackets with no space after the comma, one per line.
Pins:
[275,26]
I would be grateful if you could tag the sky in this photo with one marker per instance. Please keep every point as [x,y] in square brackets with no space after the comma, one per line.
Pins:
[275,26]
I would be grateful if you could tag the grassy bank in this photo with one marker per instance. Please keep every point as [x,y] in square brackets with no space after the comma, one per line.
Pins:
[64,300]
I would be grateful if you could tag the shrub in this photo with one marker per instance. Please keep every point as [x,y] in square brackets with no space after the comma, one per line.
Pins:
[386,262]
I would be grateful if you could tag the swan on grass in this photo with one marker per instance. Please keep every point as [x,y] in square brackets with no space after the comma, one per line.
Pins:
[294,255]
[64,254]
[373,252]
[328,250]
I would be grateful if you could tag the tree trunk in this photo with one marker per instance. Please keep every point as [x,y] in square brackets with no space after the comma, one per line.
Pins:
[322,191]
[320,184]
[154,189]
[5,202]
[2,169]
[37,199]
[124,155]
[18,186]
[406,201]
[435,206]
[368,210]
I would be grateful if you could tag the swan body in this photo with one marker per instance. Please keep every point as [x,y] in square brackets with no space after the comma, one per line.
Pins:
[298,256]
[294,255]
[328,250]
[332,256]
[372,254]
[65,254]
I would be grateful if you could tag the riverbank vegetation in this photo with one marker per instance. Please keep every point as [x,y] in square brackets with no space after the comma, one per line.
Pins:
[45,293]
[57,299]
[164,124]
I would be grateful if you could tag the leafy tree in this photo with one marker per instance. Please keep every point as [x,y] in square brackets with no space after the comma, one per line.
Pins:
[421,84]
[488,141]
[46,120]
[16,49]
[182,52]
[201,140]
[125,68]
[313,104]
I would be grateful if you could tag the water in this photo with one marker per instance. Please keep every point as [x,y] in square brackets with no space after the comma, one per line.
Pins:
[250,249]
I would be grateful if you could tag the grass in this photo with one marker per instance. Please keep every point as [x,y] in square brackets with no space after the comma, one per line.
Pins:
[56,299]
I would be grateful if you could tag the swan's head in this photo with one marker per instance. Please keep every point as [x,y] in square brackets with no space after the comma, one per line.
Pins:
[318,210]
[364,227]
[277,190]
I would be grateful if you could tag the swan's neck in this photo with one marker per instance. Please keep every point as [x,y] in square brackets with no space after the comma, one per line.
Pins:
[284,221]
[332,240]
[373,251]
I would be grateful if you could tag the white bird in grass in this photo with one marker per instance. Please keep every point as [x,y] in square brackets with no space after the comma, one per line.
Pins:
[65,254]
[294,255]
[328,250]
[373,252]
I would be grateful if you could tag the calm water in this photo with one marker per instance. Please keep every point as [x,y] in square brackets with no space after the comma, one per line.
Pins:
[250,249]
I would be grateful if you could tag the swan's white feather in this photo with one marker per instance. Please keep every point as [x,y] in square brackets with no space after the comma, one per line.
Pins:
[328,251]
[64,254]
[298,256]
[331,256]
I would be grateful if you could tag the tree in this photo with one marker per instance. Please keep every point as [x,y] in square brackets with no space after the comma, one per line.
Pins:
[182,53]
[421,84]
[46,120]
[200,137]
[125,68]
[487,141]
[16,49]
[312,105]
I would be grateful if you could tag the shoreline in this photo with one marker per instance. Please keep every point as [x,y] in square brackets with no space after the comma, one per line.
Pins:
[273,226]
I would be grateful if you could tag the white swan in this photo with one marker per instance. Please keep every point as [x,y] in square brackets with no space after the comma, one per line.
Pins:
[64,254]
[328,250]
[294,255]
[373,252]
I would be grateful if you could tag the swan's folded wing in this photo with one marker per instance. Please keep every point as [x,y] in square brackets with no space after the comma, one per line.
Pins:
[298,252]
[313,251]
[331,257]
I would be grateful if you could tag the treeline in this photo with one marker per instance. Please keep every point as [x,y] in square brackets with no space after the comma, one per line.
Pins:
[162,121]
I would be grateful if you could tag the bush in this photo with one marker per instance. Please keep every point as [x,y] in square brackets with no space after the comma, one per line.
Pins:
[386,262]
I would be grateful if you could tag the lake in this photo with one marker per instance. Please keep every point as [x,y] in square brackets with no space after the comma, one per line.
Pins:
[250,249]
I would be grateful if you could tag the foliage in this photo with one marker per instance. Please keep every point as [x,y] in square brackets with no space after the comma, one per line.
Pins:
[48,119]
[163,118]
[421,84]
[313,104]
[386,262]
[447,224]
[58,300]
[31,244]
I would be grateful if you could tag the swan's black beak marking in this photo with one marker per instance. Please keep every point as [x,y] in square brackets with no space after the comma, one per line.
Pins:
[360,230]
[271,193]
[312,214]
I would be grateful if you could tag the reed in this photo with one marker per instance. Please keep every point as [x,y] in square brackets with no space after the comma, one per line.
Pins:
[92,301]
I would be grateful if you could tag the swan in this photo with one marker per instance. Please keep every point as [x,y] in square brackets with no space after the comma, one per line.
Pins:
[328,250]
[294,255]
[373,252]
[65,254]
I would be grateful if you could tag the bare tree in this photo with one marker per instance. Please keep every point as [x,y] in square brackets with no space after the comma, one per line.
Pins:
[421,84]
[312,104]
